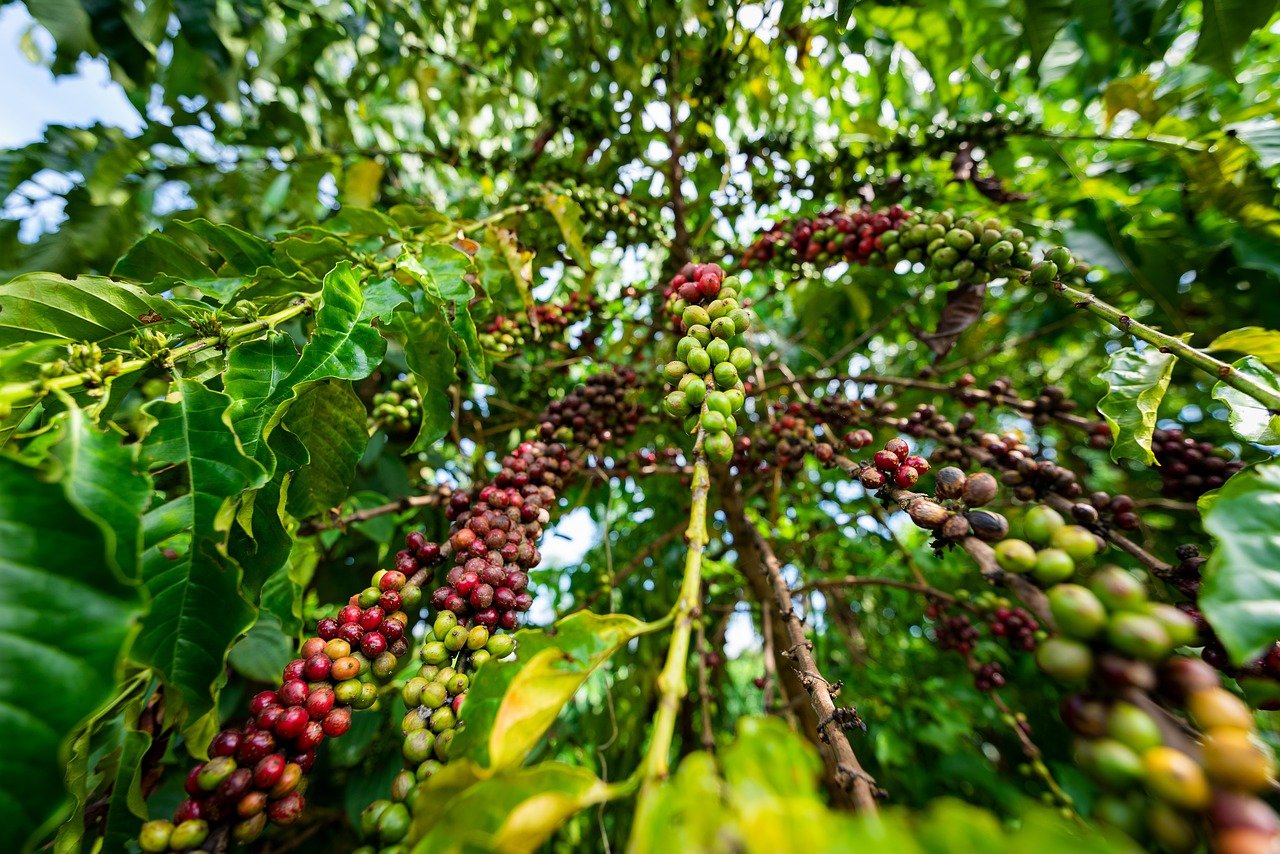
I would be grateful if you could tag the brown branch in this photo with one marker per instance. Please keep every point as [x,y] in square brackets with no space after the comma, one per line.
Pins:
[865,581]
[335,520]
[847,771]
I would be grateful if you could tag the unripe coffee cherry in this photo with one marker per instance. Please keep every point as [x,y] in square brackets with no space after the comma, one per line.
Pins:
[1076,611]
[1064,659]
[1015,556]
[155,835]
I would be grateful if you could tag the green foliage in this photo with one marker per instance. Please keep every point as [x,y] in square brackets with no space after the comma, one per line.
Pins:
[328,202]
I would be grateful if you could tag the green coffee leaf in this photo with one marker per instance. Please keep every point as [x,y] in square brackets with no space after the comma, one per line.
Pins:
[1254,340]
[425,338]
[66,618]
[1225,26]
[1136,380]
[184,563]
[39,306]
[330,421]
[512,703]
[514,811]
[1241,593]
[1249,419]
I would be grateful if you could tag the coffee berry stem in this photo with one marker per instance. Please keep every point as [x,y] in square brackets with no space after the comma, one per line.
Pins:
[673,680]
[1216,368]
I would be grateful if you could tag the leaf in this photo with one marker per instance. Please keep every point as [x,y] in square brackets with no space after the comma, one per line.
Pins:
[65,618]
[262,653]
[1254,340]
[255,370]
[382,297]
[216,258]
[1241,593]
[520,263]
[963,309]
[844,11]
[101,477]
[425,339]
[1249,419]
[513,812]
[1225,27]
[184,564]
[441,271]
[1042,20]
[1261,135]
[1136,383]
[40,306]
[362,183]
[513,703]
[568,216]
[331,423]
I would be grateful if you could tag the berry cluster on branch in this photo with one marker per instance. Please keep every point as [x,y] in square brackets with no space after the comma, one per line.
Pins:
[599,412]
[256,772]
[508,334]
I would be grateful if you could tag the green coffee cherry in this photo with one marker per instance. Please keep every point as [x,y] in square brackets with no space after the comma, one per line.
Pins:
[741,360]
[1044,273]
[719,351]
[500,646]
[155,835]
[676,404]
[1140,636]
[694,388]
[674,370]
[1064,659]
[719,401]
[1053,565]
[723,327]
[741,318]
[1015,556]
[477,638]
[190,834]
[1076,541]
[719,447]
[713,422]
[695,315]
[1040,523]
[736,398]
[411,693]
[686,345]
[726,375]
[435,652]
[393,824]
[418,746]
[699,360]
[433,695]
[442,719]
[480,657]
[371,814]
[1076,611]
[444,621]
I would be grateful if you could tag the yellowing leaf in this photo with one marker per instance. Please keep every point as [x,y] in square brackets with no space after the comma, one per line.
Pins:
[362,183]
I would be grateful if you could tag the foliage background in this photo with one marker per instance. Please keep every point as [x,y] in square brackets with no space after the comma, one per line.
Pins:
[339,147]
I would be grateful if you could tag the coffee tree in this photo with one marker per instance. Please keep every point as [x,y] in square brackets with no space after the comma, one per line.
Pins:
[723,427]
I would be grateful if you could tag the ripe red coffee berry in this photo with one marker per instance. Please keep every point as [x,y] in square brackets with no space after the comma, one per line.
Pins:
[293,693]
[292,722]
[293,670]
[351,633]
[255,746]
[225,743]
[311,737]
[337,722]
[872,478]
[392,630]
[287,810]
[392,580]
[898,447]
[906,477]
[389,601]
[268,770]
[267,717]
[320,701]
[317,667]
[373,645]
[372,618]
[350,614]
[188,810]
[260,701]
[886,461]
[312,646]
[192,784]
[327,628]
[920,464]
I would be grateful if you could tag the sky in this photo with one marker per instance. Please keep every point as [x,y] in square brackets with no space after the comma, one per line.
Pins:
[33,98]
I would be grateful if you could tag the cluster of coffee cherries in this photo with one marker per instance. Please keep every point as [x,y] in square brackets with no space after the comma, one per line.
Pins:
[506,334]
[832,236]
[596,413]
[707,367]
[957,248]
[451,653]
[494,539]
[1153,788]
[1052,548]
[789,440]
[952,513]
[256,772]
[956,631]
[398,410]
[1190,468]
